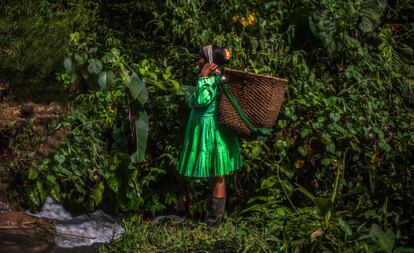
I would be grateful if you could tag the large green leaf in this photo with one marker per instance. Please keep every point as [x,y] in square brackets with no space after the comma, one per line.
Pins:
[136,86]
[141,134]
[120,143]
[80,58]
[324,205]
[67,64]
[134,200]
[305,192]
[54,192]
[96,195]
[114,181]
[345,227]
[143,96]
[95,66]
[106,78]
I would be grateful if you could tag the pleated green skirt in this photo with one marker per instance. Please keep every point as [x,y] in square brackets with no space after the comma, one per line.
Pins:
[208,151]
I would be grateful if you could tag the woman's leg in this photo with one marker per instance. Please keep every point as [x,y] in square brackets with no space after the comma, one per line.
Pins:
[216,203]
[218,186]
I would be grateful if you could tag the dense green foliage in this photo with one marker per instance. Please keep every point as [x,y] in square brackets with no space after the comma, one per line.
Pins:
[343,142]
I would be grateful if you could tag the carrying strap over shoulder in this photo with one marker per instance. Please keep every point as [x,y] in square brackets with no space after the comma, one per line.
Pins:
[261,131]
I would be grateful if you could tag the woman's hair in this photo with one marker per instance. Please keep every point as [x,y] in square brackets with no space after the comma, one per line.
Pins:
[218,55]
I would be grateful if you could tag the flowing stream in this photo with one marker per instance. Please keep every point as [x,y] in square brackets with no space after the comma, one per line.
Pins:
[84,233]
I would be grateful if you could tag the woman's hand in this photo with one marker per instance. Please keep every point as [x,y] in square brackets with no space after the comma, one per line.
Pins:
[209,69]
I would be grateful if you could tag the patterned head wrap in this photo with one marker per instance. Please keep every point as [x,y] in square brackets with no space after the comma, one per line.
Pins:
[208,52]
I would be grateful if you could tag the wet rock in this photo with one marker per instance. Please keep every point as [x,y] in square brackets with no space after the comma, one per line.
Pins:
[80,231]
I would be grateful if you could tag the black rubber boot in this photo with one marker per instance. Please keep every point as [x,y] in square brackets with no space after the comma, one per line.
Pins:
[215,210]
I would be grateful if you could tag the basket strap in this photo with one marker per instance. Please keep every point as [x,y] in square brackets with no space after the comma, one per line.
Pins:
[262,131]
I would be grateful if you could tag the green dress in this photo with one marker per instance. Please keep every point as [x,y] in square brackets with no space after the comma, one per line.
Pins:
[207,151]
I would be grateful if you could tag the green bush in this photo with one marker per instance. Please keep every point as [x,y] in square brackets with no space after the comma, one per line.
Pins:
[345,132]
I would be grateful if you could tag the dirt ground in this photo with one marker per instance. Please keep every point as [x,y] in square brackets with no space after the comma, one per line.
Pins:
[25,127]
[12,112]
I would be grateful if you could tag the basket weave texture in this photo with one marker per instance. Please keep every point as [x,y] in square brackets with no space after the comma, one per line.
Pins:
[259,96]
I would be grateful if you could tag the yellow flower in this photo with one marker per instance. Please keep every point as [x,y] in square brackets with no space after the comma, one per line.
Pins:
[245,21]
[111,109]
[251,18]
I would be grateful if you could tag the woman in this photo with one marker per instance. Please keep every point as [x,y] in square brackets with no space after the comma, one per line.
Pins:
[208,151]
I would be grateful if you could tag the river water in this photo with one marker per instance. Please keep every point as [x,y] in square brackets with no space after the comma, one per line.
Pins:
[84,233]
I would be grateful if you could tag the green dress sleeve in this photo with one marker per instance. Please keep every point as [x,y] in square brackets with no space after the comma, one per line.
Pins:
[205,91]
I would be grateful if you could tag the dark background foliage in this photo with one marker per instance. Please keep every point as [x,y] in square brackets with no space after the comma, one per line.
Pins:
[345,132]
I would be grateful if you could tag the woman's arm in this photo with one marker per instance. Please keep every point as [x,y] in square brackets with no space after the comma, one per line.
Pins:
[205,91]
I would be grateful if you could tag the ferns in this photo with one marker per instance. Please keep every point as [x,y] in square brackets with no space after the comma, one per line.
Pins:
[397,55]
[371,13]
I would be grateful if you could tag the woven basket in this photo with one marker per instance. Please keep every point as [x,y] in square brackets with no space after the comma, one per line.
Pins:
[259,96]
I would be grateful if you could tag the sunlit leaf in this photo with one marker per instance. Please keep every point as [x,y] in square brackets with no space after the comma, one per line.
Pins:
[33,174]
[97,194]
[175,84]
[317,233]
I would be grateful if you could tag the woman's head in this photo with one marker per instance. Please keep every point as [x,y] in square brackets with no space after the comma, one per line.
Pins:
[219,55]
